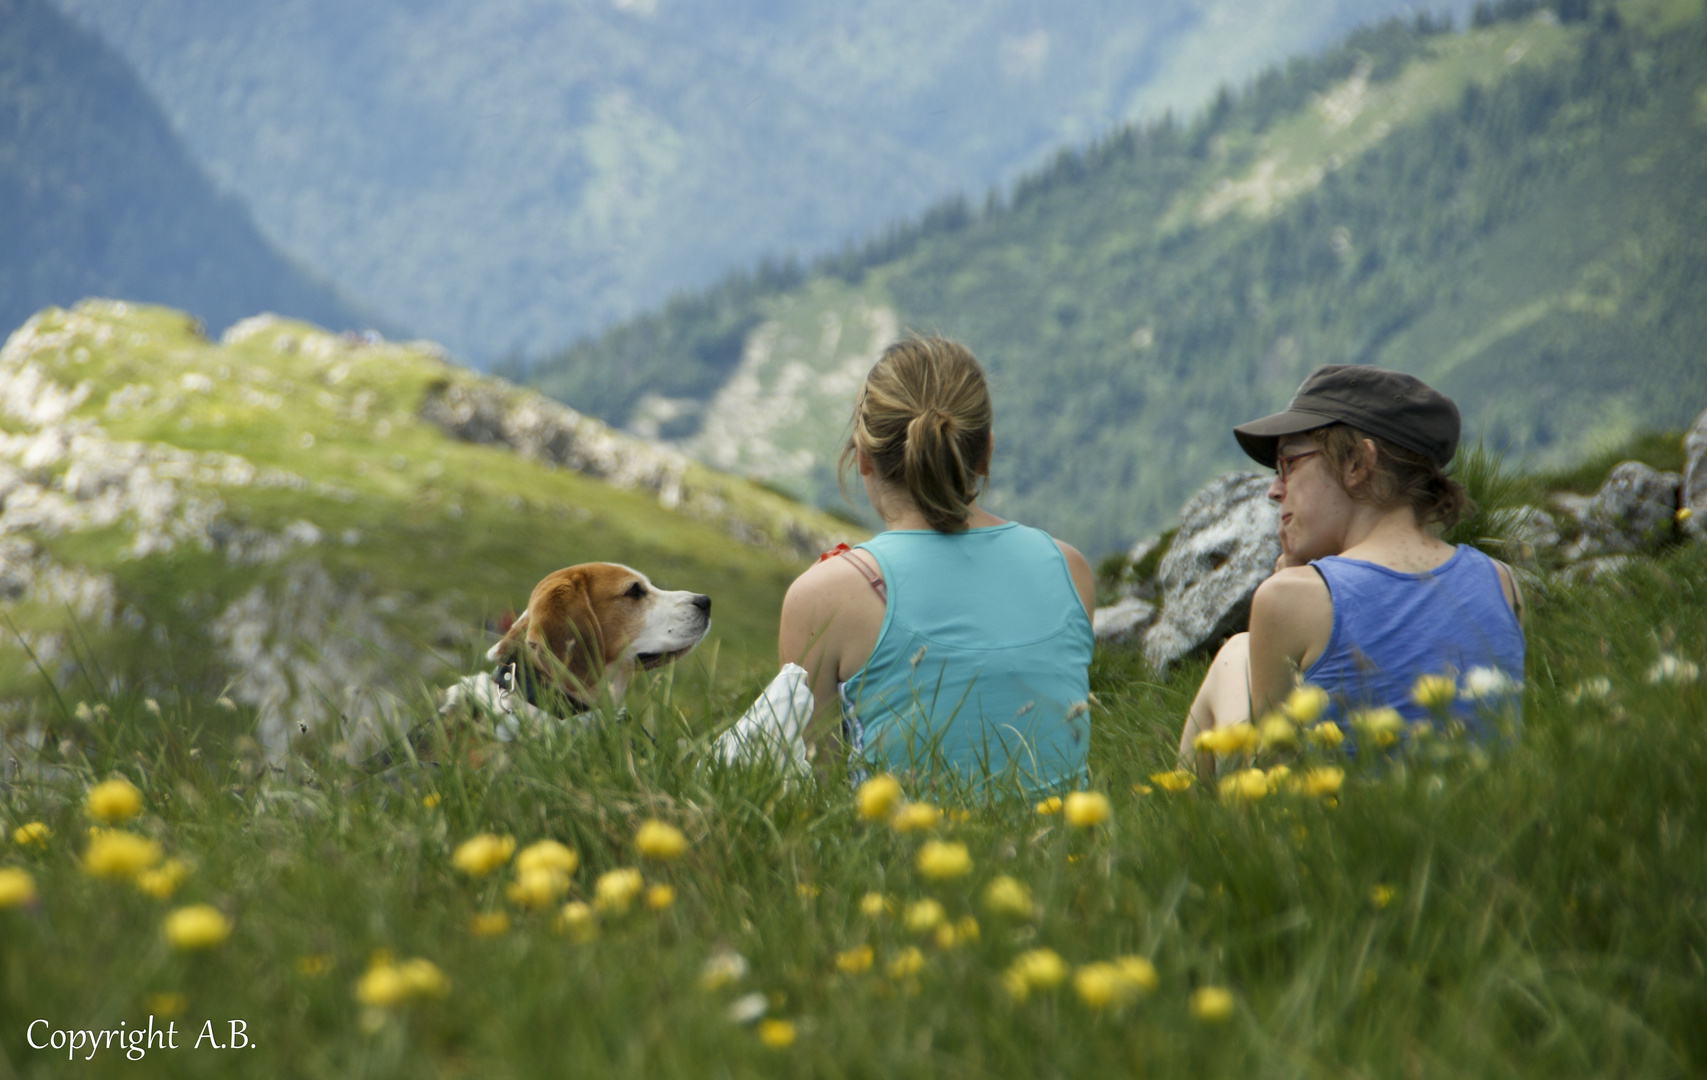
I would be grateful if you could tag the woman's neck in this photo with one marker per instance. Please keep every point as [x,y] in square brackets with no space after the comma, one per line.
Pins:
[1394,539]
[899,512]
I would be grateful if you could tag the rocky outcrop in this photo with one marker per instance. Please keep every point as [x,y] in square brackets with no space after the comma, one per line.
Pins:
[1124,620]
[1634,511]
[1227,544]
[1694,492]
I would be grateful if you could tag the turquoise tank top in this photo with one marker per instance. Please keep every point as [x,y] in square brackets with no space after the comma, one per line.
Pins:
[980,668]
[1391,627]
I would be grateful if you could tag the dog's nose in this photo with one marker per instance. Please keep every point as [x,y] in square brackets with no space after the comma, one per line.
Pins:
[703,603]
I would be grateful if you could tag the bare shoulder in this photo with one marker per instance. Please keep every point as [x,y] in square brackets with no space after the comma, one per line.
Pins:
[1291,586]
[823,582]
[1080,570]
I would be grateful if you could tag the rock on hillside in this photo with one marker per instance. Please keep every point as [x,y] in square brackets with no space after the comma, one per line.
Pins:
[317,524]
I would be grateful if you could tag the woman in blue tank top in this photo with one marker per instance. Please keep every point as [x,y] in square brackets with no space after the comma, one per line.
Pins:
[1365,599]
[954,645]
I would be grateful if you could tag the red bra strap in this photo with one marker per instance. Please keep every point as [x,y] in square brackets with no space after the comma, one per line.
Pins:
[873,579]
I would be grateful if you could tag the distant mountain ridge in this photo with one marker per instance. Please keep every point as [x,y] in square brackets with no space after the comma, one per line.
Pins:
[507,177]
[99,198]
[1511,212]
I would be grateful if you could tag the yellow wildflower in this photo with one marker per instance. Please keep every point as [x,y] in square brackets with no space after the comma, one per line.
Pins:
[1007,896]
[660,896]
[873,905]
[1278,776]
[1042,969]
[616,889]
[537,887]
[31,832]
[422,978]
[1683,514]
[163,881]
[1381,895]
[1014,983]
[116,854]
[1138,971]
[808,890]
[1323,781]
[855,960]
[1380,726]
[660,840]
[199,926]
[939,860]
[1244,784]
[966,928]
[915,817]
[878,797]
[165,1006]
[1276,730]
[907,962]
[547,855]
[1326,734]
[1434,692]
[16,886]
[1102,984]
[482,854]
[488,923]
[114,800]
[923,915]
[1051,805]
[1177,780]
[1305,704]
[310,966]
[1086,808]
[430,799]
[1212,1004]
[776,1034]
[382,986]
[946,936]
[576,920]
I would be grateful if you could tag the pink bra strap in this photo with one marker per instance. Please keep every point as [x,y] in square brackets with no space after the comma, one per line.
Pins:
[873,579]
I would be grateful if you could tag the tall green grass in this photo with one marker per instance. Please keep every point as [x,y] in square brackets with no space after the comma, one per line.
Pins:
[1538,913]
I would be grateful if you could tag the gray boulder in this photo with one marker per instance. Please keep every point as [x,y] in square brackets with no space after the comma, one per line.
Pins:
[1634,511]
[1530,531]
[1227,544]
[1124,619]
[1694,494]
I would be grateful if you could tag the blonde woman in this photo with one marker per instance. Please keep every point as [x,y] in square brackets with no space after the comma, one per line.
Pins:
[953,645]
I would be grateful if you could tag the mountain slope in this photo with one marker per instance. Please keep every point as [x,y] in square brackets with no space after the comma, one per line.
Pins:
[99,198]
[1511,213]
[290,518]
[509,176]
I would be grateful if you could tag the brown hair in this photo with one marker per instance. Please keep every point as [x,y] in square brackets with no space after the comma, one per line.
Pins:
[923,418]
[1400,475]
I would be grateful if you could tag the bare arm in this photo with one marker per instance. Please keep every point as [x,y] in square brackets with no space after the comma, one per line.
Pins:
[830,619]
[1292,616]
[1083,580]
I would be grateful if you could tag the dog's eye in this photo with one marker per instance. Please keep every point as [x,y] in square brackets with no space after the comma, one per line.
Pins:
[635,591]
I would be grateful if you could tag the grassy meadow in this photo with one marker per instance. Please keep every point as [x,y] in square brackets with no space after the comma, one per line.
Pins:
[1539,913]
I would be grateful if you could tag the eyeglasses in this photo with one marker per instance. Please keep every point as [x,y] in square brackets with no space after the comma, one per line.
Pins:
[1283,465]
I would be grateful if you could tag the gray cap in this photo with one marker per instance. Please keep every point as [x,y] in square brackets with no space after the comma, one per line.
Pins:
[1387,404]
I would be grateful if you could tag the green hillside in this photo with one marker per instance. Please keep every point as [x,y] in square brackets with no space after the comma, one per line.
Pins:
[1512,212]
[275,519]
[98,197]
[510,176]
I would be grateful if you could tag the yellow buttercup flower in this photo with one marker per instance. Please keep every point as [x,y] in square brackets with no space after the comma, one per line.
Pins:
[660,896]
[660,840]
[1138,971]
[922,916]
[1007,896]
[1051,805]
[1305,704]
[547,855]
[114,800]
[1276,730]
[422,978]
[1086,808]
[1247,784]
[1434,692]
[163,881]
[16,886]
[482,854]
[1380,726]
[576,920]
[1103,984]
[1323,781]
[940,860]
[1177,780]
[776,1034]
[382,986]
[165,1006]
[946,936]
[915,817]
[966,928]
[199,926]
[1226,741]
[873,905]
[1326,734]
[115,854]
[310,966]
[616,889]
[1381,895]
[878,797]
[488,923]
[537,887]
[430,799]
[1212,1004]
[31,832]
[855,960]
[1041,969]
[906,962]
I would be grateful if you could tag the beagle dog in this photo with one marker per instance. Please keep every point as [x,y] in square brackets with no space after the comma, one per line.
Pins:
[585,628]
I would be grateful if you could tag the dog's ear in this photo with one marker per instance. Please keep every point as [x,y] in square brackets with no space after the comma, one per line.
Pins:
[564,636]
[511,641]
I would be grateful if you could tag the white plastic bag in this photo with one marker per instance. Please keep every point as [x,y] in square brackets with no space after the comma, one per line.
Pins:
[773,729]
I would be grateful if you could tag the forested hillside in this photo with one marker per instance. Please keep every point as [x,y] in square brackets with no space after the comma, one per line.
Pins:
[1512,212]
[507,176]
[99,198]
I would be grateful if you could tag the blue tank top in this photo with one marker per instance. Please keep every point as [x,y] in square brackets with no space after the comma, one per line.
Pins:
[981,663]
[1391,627]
